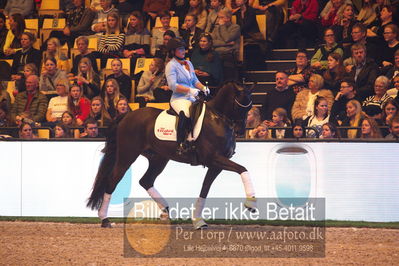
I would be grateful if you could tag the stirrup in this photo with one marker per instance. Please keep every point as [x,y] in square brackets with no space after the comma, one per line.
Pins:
[250,204]
[199,223]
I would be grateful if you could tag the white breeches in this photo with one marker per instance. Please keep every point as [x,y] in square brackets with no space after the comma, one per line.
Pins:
[181,105]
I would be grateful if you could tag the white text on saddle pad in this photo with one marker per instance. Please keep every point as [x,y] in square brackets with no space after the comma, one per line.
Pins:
[165,126]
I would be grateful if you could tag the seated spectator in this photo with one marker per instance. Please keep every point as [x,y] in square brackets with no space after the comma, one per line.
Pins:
[54,51]
[393,71]
[158,32]
[162,51]
[23,7]
[25,131]
[5,99]
[260,132]
[137,42]
[394,129]
[13,39]
[279,119]
[390,109]
[206,62]
[354,118]
[179,9]
[197,8]
[59,104]
[298,77]
[69,120]
[152,86]
[26,55]
[78,22]
[190,33]
[282,96]
[78,104]
[390,46]
[61,131]
[125,8]
[253,119]
[88,79]
[376,29]
[274,11]
[297,129]
[124,81]
[100,21]
[254,41]
[29,69]
[300,30]
[329,131]
[212,18]
[364,72]
[4,115]
[331,12]
[122,106]
[318,119]
[3,33]
[112,41]
[335,73]
[153,8]
[226,41]
[370,129]
[30,103]
[394,91]
[346,93]
[319,59]
[304,102]
[98,112]
[381,96]
[82,43]
[50,76]
[90,129]
[111,96]
[368,13]
[359,37]
[343,27]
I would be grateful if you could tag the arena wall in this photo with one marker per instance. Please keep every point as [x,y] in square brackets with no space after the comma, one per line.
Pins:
[360,181]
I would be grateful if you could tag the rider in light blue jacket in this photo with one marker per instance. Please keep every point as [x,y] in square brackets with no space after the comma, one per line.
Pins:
[184,84]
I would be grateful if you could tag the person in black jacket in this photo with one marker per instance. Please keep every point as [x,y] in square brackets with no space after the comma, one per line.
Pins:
[26,55]
[190,33]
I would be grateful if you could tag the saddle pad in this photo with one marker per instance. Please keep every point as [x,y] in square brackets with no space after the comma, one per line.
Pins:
[165,126]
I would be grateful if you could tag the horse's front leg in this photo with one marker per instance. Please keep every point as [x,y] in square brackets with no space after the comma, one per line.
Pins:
[210,176]
[228,165]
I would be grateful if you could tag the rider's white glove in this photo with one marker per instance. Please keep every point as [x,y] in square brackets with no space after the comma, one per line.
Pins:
[194,92]
[206,90]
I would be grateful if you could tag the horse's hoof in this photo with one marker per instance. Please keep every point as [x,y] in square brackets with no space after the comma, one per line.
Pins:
[250,204]
[164,216]
[199,223]
[105,223]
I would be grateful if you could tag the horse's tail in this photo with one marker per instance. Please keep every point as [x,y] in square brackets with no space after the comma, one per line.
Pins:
[106,167]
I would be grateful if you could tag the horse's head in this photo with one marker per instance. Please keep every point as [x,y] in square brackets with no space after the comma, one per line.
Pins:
[242,104]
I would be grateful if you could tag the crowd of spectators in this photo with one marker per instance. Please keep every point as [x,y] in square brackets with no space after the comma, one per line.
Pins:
[350,80]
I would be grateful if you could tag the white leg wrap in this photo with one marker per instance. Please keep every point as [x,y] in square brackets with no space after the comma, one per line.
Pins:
[249,188]
[199,206]
[103,211]
[161,202]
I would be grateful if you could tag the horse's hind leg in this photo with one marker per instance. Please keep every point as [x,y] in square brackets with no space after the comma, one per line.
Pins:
[210,176]
[126,155]
[156,165]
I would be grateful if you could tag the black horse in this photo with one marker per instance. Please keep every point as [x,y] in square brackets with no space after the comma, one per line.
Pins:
[133,135]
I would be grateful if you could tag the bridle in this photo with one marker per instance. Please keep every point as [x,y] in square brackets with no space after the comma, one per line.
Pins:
[242,105]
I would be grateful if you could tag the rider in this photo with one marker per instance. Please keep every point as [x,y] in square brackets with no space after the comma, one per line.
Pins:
[184,84]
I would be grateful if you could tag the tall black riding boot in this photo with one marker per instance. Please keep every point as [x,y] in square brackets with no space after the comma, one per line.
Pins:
[181,132]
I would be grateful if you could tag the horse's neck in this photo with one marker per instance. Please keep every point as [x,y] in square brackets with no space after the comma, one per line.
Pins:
[222,104]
